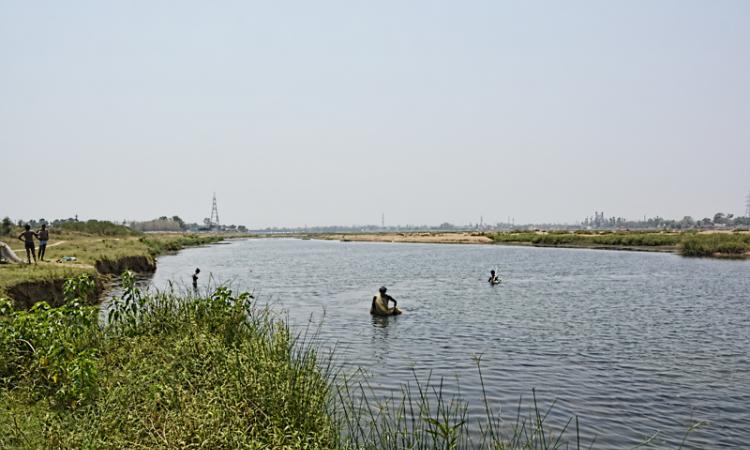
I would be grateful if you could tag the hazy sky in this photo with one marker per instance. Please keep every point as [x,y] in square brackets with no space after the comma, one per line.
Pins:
[322,112]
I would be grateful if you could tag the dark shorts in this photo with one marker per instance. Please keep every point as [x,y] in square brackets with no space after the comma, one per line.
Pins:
[29,246]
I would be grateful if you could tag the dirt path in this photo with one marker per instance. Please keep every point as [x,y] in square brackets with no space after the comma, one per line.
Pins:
[50,245]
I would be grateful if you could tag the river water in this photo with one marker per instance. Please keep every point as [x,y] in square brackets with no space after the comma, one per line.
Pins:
[634,344]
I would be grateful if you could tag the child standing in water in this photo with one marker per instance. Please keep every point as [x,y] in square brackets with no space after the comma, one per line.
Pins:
[195,279]
[28,238]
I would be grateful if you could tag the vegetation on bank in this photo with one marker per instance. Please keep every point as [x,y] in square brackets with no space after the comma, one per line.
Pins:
[96,227]
[213,372]
[728,245]
[625,239]
[99,247]
[687,243]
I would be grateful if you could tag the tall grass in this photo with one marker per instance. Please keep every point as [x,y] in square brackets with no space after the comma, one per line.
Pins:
[97,227]
[215,372]
[625,239]
[723,244]
[159,244]
[422,416]
[688,244]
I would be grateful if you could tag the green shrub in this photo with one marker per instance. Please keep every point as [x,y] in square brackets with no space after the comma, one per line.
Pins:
[97,227]
[713,243]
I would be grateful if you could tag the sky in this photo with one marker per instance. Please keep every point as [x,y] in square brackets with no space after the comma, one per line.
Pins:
[335,112]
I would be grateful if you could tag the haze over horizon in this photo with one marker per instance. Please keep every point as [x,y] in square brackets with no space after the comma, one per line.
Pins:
[320,113]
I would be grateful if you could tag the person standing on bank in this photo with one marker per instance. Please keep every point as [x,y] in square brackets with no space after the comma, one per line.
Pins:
[195,279]
[28,238]
[43,235]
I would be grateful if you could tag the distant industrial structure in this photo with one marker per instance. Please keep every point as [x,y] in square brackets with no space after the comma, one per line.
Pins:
[747,206]
[212,221]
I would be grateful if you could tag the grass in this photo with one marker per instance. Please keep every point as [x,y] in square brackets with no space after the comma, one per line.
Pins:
[620,239]
[96,227]
[214,372]
[717,244]
[686,243]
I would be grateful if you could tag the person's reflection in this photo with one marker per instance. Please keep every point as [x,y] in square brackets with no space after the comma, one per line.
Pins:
[380,343]
[380,322]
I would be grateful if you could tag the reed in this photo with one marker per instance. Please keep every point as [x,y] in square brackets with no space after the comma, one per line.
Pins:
[730,245]
[716,244]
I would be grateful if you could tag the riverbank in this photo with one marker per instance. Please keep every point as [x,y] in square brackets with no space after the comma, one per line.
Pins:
[73,253]
[706,244]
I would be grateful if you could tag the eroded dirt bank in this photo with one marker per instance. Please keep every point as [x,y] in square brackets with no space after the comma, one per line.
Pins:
[27,293]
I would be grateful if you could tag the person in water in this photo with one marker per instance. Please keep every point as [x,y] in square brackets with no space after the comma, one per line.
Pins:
[380,304]
[494,279]
[43,235]
[28,238]
[195,279]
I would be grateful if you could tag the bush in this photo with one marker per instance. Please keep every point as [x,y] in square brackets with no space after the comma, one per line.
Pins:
[97,227]
[215,372]
[6,227]
[710,244]
[48,350]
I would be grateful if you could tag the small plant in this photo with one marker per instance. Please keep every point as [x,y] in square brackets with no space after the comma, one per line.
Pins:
[125,310]
[79,290]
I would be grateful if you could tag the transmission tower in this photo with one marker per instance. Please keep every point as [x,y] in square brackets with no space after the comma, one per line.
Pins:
[214,218]
[747,206]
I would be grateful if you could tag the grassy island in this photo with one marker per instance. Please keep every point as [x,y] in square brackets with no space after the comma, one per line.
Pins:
[729,244]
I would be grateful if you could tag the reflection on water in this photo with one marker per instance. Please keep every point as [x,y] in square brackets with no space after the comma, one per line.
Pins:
[634,343]
[380,321]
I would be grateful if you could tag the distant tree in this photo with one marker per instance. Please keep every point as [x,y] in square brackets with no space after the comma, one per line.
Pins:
[6,226]
[687,222]
[179,221]
[163,218]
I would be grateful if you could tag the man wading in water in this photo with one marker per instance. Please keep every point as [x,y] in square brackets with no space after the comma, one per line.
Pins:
[380,304]
[28,238]
[43,236]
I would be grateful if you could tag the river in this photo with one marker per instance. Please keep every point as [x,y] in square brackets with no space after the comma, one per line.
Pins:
[634,344]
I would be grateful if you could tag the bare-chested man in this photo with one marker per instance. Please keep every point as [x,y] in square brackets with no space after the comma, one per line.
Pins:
[43,236]
[28,238]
